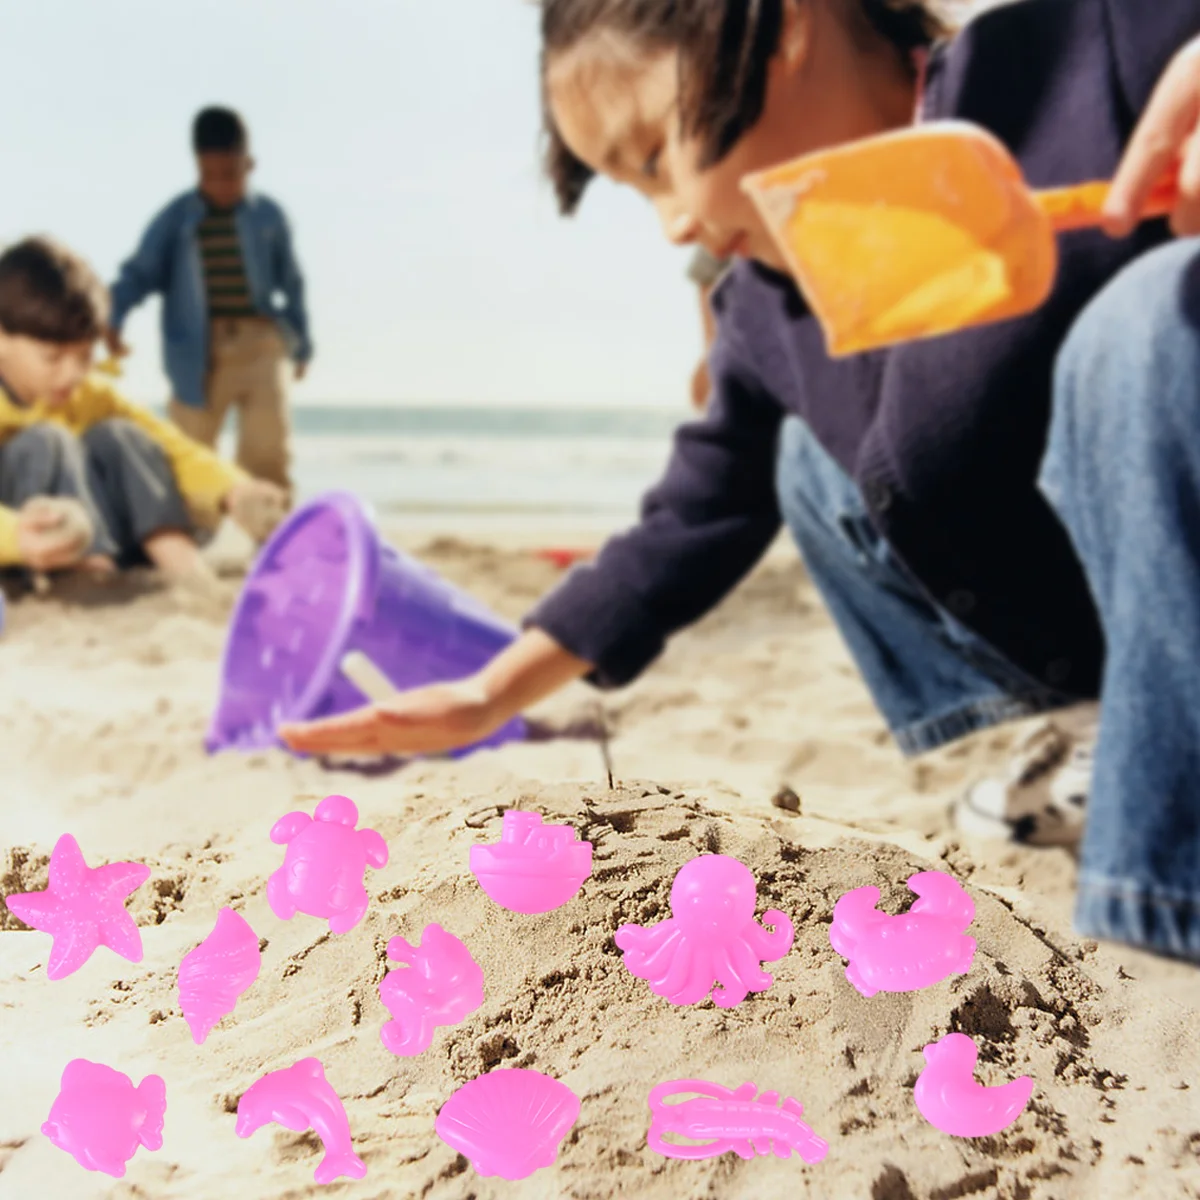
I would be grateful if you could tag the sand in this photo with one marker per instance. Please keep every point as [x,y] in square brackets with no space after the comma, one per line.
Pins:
[104,707]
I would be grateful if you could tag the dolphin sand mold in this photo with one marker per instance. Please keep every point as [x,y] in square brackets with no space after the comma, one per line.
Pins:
[299,1097]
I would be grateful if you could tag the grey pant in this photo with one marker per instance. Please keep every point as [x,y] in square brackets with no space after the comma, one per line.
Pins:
[115,470]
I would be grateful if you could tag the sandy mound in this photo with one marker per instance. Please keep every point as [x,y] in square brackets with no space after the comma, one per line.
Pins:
[559,999]
[105,708]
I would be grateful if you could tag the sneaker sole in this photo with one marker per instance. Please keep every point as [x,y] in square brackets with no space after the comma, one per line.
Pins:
[1032,829]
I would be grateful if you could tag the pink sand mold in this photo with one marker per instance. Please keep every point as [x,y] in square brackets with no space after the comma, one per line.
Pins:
[100,1118]
[534,867]
[711,939]
[912,950]
[508,1122]
[84,907]
[217,972]
[322,872]
[718,1120]
[442,985]
[299,1097]
[950,1100]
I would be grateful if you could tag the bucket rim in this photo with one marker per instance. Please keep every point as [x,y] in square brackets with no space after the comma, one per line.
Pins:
[362,573]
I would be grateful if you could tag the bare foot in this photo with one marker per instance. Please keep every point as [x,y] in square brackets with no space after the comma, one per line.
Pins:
[203,594]
[195,584]
[258,508]
[98,568]
[175,553]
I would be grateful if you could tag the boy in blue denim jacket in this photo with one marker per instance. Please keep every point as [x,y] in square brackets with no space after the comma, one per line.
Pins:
[233,301]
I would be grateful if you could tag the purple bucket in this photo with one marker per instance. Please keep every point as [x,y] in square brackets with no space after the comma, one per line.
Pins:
[323,590]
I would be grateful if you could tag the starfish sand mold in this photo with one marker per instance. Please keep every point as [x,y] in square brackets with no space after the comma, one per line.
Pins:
[83,907]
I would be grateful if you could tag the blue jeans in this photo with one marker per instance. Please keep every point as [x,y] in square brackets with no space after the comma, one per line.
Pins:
[933,679]
[1122,470]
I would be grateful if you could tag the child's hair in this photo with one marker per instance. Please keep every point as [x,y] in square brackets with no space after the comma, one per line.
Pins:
[219,131]
[49,293]
[725,47]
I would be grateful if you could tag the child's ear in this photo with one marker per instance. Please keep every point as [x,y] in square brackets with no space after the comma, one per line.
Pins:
[796,36]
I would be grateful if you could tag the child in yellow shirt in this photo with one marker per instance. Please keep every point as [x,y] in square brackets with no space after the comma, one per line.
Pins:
[86,478]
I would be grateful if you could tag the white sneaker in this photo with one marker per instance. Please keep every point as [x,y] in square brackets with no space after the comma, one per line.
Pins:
[1041,798]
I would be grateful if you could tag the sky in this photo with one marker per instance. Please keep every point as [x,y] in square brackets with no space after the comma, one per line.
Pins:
[401,136]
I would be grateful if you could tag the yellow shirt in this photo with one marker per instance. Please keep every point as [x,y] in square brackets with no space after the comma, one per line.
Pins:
[202,477]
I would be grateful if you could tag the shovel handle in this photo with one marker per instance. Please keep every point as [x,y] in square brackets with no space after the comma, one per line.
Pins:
[367,677]
[1081,206]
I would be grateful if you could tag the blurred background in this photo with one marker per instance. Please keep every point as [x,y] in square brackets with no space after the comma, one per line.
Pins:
[477,356]
[401,138]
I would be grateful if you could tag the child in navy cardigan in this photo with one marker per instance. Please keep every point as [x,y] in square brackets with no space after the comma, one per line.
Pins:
[1003,522]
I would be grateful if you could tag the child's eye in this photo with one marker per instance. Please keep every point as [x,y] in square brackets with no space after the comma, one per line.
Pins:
[650,166]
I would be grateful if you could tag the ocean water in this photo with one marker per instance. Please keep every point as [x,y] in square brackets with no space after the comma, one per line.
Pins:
[560,466]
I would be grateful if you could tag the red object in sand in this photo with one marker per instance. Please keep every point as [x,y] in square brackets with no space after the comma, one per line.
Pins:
[563,558]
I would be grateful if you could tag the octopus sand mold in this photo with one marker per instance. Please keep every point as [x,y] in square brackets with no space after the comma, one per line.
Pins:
[711,938]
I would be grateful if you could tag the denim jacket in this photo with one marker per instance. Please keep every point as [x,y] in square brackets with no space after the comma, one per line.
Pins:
[168,261]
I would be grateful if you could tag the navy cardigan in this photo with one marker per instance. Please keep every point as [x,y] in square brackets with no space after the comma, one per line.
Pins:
[944,436]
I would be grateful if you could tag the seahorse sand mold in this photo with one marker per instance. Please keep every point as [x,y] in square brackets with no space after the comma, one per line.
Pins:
[559,1000]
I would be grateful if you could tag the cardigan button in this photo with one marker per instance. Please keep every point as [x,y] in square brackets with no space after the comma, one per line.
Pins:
[961,602]
[1058,671]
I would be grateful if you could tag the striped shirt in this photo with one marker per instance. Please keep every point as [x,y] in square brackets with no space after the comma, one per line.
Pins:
[224,272]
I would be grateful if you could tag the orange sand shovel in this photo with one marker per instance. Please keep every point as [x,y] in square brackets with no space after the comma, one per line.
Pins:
[921,232]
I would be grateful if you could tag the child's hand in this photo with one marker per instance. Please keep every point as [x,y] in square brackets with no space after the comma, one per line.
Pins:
[53,532]
[257,506]
[1169,131]
[435,719]
[429,720]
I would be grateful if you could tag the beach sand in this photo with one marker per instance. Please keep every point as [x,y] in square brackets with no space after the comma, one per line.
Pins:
[104,708]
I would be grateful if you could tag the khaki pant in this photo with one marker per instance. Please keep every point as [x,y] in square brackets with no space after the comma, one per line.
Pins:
[248,365]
